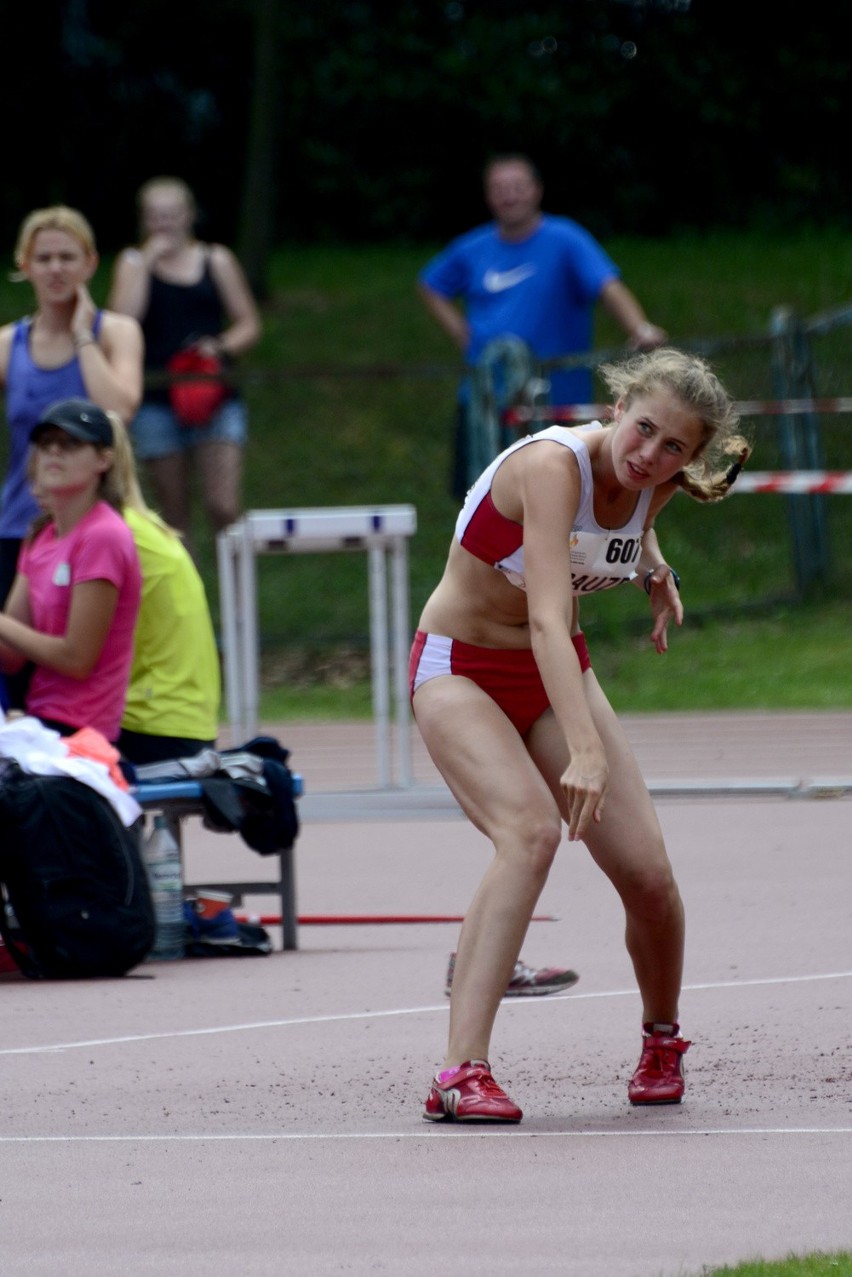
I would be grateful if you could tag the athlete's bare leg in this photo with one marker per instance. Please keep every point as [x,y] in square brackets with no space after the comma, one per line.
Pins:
[628,845]
[487,767]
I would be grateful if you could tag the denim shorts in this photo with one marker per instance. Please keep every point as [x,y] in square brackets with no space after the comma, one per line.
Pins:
[156,431]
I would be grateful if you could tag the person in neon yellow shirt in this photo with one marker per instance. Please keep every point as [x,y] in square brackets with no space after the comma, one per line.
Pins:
[172,706]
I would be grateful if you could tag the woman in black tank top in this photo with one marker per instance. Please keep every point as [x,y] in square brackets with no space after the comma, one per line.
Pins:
[186,295]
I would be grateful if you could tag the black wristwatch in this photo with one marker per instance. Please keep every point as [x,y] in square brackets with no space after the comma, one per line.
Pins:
[651,572]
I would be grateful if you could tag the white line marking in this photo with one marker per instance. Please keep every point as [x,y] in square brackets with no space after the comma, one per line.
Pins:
[341,1018]
[223,1028]
[469,1132]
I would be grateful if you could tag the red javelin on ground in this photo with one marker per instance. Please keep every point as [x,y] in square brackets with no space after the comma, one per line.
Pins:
[363,919]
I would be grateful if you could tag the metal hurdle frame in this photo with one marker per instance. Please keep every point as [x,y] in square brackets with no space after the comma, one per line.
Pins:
[383,533]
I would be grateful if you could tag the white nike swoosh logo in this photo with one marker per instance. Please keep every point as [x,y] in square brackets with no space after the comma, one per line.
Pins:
[497,281]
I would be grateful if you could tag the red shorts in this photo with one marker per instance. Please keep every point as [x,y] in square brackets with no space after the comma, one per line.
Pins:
[509,676]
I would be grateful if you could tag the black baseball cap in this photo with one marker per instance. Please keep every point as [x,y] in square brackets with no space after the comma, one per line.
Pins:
[79,418]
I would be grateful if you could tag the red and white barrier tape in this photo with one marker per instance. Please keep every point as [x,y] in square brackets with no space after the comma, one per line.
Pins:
[789,407]
[744,407]
[784,481]
[796,481]
[555,413]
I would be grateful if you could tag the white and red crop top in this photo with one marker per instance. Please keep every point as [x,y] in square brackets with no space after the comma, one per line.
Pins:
[600,557]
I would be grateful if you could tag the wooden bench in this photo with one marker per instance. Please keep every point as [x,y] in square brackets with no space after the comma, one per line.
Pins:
[177,799]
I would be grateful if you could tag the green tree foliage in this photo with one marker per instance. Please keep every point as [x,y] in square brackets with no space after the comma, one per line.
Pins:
[646,116]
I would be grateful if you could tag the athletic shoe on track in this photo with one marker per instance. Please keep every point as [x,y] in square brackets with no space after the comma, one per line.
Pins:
[223,929]
[526,981]
[470,1095]
[659,1076]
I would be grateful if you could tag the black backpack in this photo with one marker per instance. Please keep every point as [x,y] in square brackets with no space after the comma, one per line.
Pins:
[74,878]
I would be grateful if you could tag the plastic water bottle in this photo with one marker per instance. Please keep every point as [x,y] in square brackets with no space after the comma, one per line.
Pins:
[162,860]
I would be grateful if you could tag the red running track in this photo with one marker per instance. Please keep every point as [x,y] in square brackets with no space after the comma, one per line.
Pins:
[261,1115]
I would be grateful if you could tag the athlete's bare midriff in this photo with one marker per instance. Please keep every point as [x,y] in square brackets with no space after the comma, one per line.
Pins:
[474,603]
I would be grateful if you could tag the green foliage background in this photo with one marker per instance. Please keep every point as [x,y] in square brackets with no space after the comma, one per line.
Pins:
[647,117]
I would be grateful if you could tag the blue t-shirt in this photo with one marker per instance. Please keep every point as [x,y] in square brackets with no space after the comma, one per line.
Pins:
[542,289]
[29,391]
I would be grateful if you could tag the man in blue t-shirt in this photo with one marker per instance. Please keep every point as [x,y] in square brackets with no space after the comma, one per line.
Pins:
[529,275]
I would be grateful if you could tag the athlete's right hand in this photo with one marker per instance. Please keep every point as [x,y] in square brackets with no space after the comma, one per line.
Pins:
[584,783]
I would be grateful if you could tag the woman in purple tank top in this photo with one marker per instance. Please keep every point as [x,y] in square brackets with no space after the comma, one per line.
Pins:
[66,348]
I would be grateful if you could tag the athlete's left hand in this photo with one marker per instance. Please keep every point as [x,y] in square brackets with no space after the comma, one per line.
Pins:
[665,606]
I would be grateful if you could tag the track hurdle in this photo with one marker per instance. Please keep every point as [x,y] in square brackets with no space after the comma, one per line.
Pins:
[382,532]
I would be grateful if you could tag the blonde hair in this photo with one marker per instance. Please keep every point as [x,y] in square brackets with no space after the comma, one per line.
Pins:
[120,485]
[56,218]
[724,451]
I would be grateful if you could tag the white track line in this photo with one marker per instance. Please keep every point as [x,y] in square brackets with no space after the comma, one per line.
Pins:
[454,1132]
[397,1011]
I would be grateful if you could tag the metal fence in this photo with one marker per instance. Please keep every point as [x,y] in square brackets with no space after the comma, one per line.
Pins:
[787,381]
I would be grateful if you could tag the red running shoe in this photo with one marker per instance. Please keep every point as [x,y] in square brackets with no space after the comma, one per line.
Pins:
[659,1076]
[470,1095]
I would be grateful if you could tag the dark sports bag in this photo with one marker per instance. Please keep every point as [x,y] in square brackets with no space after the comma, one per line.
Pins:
[74,878]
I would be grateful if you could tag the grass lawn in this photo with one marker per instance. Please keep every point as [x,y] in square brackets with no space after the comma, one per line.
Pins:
[351,396]
[335,314]
[820,1264]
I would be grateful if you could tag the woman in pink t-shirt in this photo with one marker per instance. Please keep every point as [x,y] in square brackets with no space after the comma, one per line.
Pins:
[73,605]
